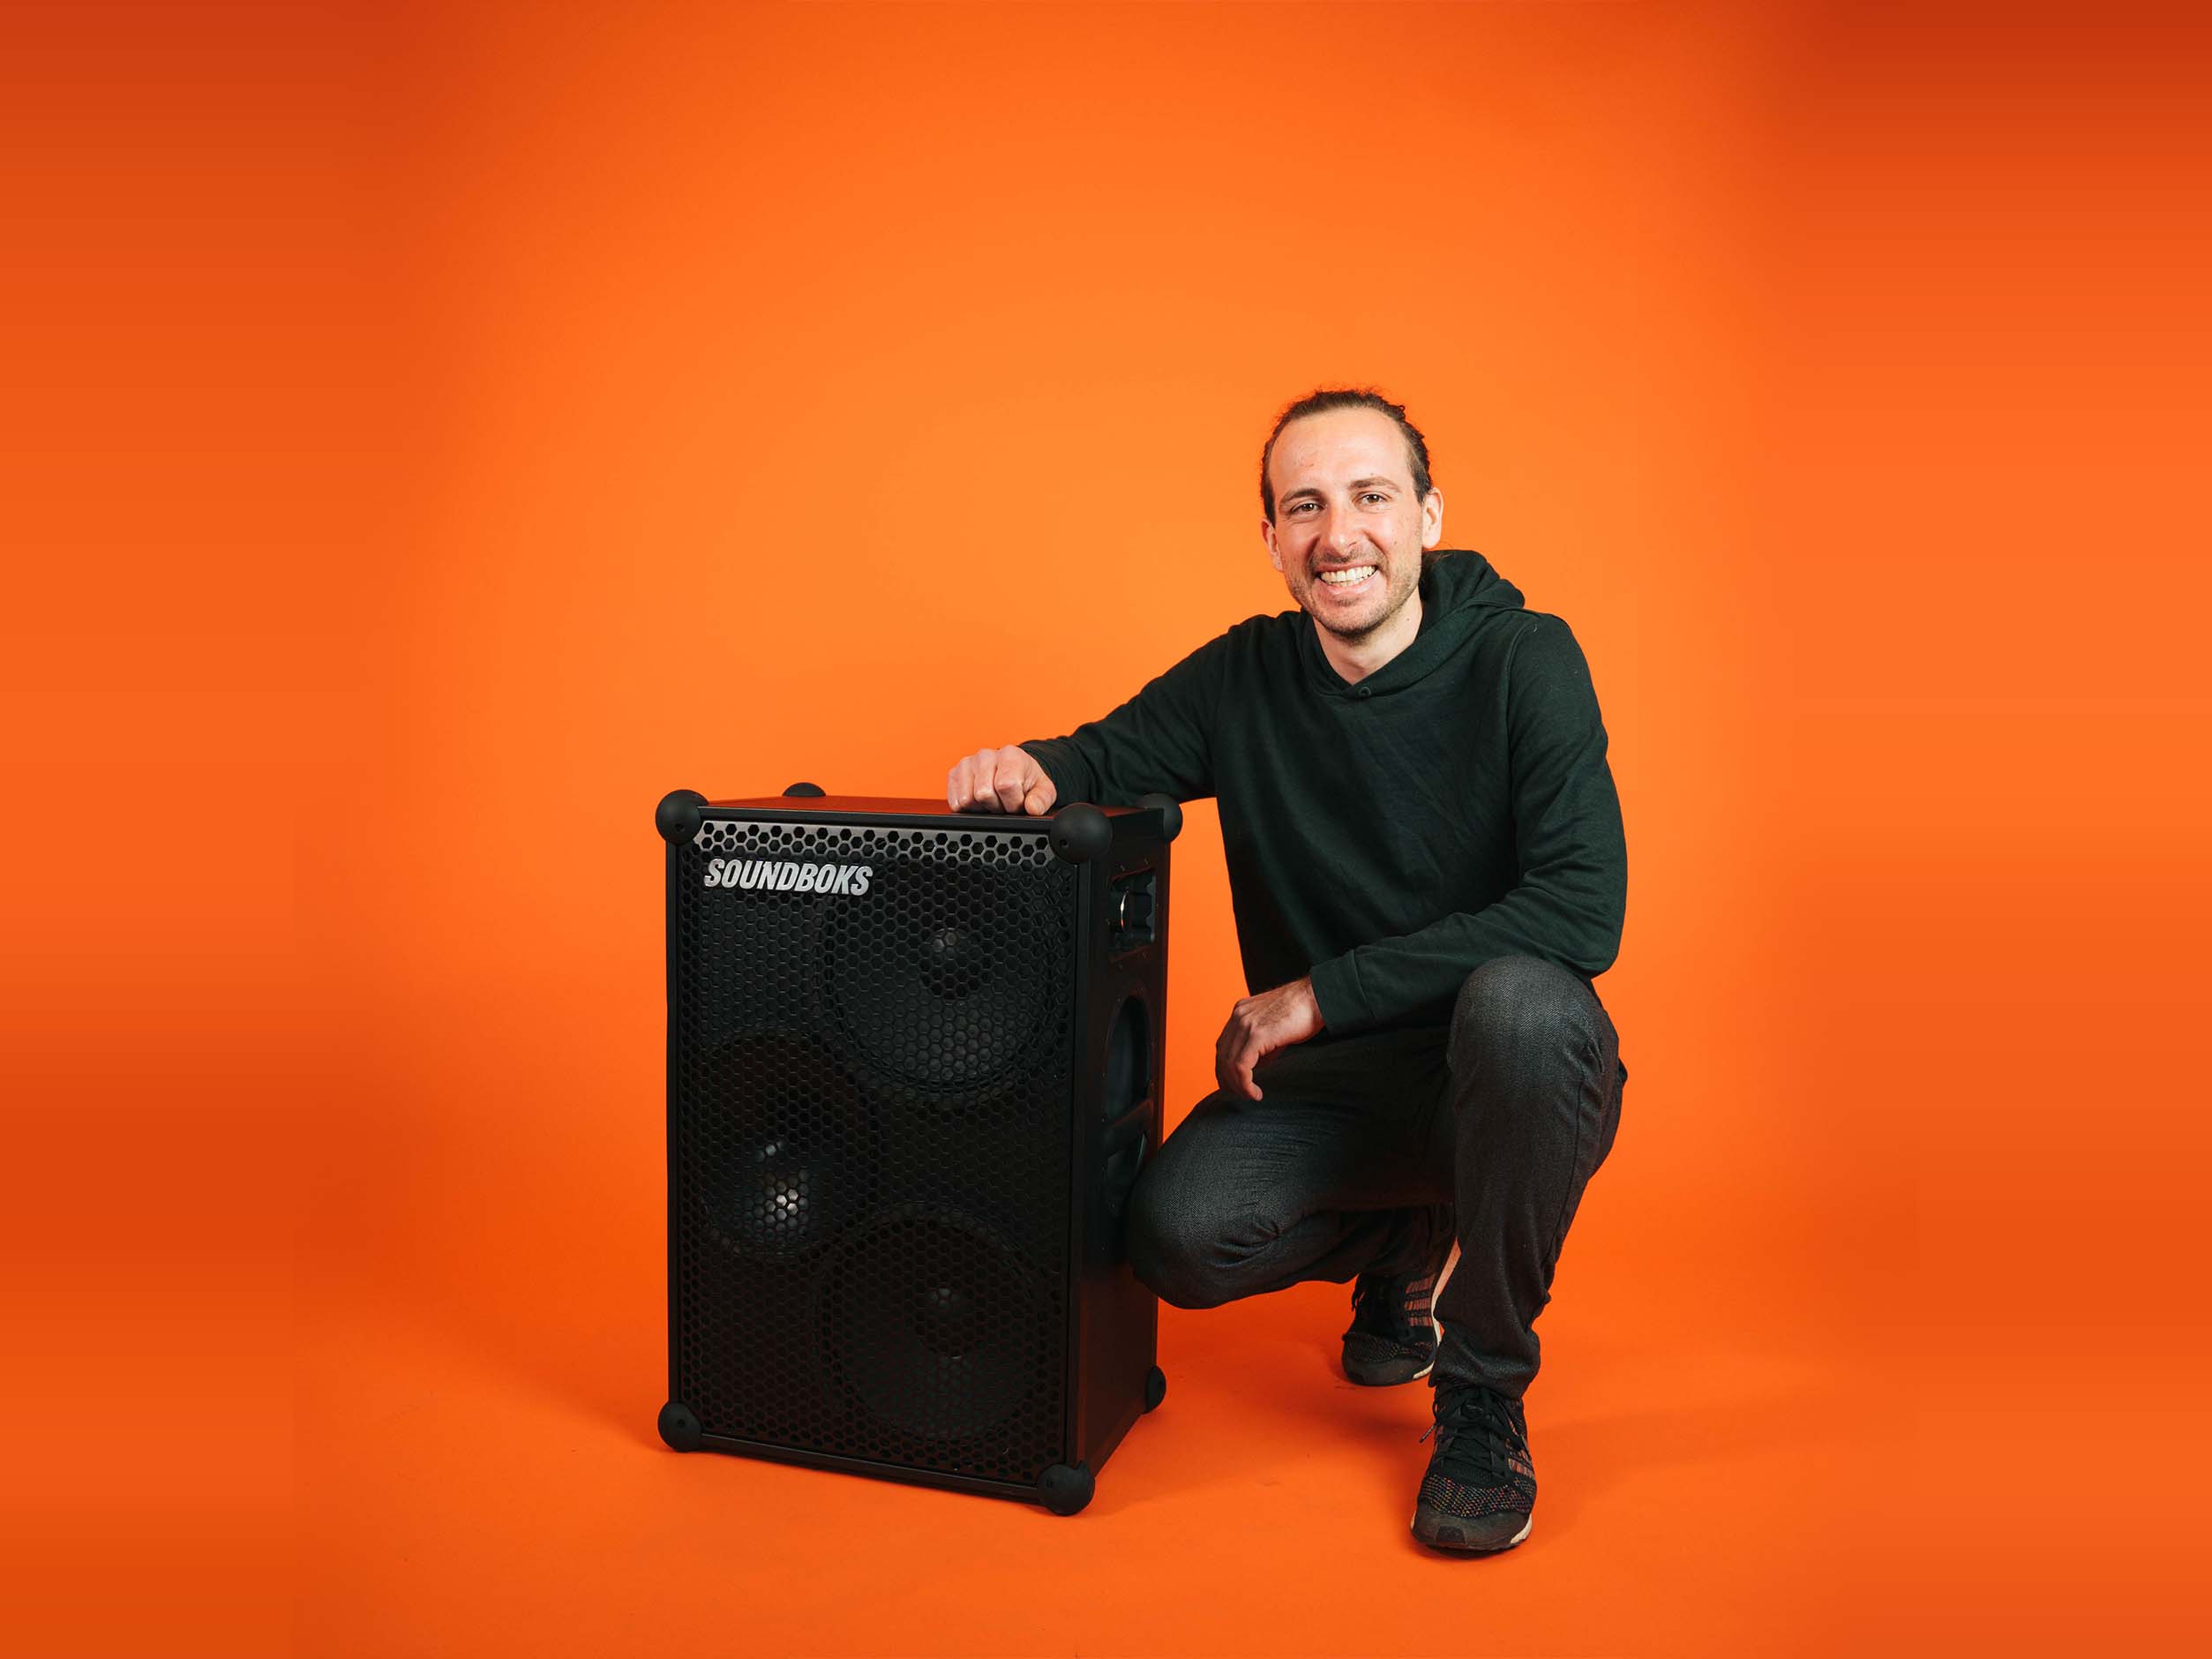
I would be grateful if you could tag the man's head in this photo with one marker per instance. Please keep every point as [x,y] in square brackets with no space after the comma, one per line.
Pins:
[1350,509]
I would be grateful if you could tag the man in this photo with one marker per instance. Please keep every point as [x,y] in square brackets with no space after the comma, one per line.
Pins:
[1425,859]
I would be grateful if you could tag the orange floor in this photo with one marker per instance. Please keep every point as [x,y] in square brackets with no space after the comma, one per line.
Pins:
[500,1489]
[488,1490]
[1761,1428]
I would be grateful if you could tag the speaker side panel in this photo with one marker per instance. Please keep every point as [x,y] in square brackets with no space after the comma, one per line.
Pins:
[1118,1125]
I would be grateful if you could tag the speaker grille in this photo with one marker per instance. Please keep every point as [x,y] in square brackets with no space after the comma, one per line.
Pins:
[946,981]
[871,1141]
[937,1329]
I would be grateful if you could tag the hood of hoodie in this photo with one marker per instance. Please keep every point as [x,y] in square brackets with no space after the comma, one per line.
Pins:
[1461,595]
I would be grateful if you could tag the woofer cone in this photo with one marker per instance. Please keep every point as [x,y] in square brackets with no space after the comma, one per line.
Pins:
[952,980]
[934,1325]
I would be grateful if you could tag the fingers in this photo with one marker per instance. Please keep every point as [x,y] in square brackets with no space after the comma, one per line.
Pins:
[960,783]
[999,780]
[1234,1054]
[1034,792]
[971,783]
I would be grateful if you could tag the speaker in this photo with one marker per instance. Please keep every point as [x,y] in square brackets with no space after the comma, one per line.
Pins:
[914,1062]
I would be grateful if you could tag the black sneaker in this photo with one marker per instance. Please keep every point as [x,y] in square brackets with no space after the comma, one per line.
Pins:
[1391,1339]
[1480,1492]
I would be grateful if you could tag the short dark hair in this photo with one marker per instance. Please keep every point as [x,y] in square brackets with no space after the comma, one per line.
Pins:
[1322,401]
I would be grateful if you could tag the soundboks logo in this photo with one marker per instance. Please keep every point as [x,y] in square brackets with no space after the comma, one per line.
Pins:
[777,875]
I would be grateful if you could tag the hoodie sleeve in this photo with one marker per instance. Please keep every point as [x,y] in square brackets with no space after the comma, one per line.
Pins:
[1159,741]
[1572,894]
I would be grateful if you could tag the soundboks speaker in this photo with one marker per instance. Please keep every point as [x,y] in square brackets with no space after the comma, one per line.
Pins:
[914,1063]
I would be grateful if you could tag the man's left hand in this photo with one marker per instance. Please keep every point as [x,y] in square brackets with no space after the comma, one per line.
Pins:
[1258,1027]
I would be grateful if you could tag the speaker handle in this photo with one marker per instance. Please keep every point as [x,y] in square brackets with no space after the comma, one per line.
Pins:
[809,792]
[1115,1126]
[1124,1165]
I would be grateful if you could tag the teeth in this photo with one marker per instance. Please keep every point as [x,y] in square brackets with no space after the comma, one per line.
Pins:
[1346,578]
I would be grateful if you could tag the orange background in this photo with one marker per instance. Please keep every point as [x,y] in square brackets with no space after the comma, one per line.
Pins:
[436,433]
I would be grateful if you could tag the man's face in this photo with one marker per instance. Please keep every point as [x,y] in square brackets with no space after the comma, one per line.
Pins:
[1348,530]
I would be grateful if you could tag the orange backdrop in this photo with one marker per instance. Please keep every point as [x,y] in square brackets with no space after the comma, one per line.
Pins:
[436,433]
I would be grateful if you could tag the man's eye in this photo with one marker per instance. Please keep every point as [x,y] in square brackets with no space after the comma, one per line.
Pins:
[1375,495]
[1300,506]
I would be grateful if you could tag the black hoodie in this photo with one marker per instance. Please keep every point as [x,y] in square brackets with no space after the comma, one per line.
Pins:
[1387,838]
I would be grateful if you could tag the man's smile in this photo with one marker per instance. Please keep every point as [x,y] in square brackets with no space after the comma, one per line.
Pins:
[1347,575]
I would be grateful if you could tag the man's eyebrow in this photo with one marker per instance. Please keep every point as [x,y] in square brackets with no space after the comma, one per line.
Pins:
[1356,484]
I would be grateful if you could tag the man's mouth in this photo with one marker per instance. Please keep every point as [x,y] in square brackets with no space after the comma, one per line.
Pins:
[1347,576]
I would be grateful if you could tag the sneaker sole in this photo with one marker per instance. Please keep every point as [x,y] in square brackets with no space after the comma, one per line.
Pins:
[1445,1533]
[1387,1378]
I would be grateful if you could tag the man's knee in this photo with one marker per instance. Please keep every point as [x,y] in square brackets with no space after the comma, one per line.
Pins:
[1517,1001]
[1174,1242]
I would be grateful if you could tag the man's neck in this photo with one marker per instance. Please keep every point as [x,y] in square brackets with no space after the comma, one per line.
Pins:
[1355,659]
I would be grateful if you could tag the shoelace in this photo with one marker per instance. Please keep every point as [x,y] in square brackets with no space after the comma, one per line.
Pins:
[1479,1438]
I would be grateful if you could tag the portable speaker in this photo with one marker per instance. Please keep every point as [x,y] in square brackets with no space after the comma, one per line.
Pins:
[914,1063]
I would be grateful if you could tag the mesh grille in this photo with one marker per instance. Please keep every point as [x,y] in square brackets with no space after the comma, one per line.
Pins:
[1481,1464]
[869,1179]
[1441,1493]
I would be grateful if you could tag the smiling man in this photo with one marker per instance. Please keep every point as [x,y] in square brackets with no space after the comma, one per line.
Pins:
[1426,860]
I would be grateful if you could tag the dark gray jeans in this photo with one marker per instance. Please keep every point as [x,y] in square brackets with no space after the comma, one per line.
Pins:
[1363,1150]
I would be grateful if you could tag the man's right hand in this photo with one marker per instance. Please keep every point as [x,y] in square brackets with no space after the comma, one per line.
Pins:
[999,780]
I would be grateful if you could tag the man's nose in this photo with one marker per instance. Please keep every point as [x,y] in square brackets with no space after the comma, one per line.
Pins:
[1341,533]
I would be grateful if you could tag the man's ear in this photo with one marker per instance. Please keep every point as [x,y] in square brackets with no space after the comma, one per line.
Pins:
[1274,553]
[1432,520]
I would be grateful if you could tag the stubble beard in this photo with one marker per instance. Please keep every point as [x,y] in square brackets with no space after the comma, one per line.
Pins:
[1391,606]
